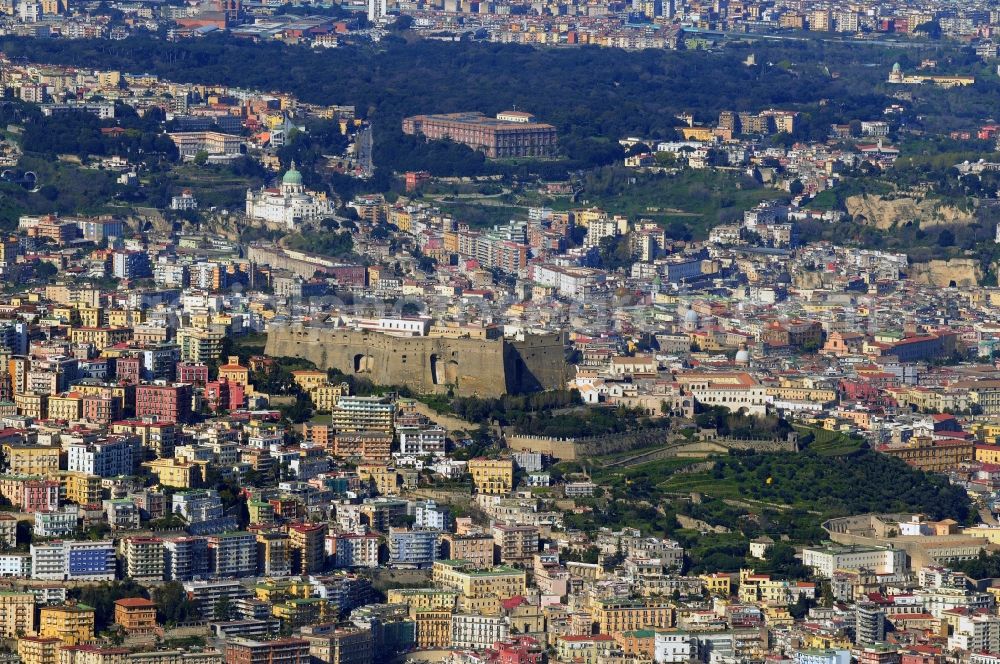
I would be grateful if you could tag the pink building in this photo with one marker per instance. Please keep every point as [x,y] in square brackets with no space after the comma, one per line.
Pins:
[40,496]
[100,409]
[192,373]
[223,394]
[127,370]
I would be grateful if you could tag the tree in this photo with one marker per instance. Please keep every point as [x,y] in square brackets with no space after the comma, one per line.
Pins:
[930,28]
[102,598]
[796,187]
[172,603]
[45,270]
[224,609]
[946,238]
[201,158]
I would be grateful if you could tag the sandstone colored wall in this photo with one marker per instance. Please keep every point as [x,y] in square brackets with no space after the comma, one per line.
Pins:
[961,271]
[885,213]
[471,367]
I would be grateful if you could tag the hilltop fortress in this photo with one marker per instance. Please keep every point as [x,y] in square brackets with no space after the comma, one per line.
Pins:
[428,364]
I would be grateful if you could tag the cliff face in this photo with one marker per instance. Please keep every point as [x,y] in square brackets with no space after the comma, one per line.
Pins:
[469,367]
[884,213]
[956,271]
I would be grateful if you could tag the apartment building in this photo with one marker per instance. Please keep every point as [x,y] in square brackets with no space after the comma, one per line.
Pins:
[233,554]
[136,615]
[492,476]
[185,558]
[340,645]
[23,459]
[504,582]
[614,615]
[72,624]
[515,544]
[306,542]
[281,651]
[145,558]
[354,414]
[169,403]
[478,632]
[476,549]
[17,614]
[70,560]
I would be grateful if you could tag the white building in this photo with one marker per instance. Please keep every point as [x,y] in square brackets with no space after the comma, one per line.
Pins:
[979,633]
[672,648]
[822,656]
[377,9]
[73,561]
[429,515]
[471,630]
[60,523]
[288,205]
[15,565]
[877,559]
[421,441]
[353,550]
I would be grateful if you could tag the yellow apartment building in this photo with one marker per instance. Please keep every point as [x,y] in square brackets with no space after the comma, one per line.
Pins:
[81,488]
[504,582]
[492,476]
[614,615]
[422,598]
[433,627]
[32,459]
[38,650]
[17,614]
[72,624]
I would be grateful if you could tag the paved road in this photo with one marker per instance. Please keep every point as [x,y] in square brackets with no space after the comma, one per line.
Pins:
[364,144]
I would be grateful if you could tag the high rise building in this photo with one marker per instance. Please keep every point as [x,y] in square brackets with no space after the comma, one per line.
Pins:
[145,558]
[306,541]
[870,625]
[377,9]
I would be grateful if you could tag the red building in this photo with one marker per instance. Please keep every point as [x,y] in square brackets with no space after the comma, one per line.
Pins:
[281,651]
[518,650]
[416,178]
[196,374]
[510,134]
[40,496]
[171,403]
[101,409]
[224,394]
[127,370]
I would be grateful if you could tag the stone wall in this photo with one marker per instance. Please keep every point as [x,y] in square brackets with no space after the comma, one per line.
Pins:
[960,272]
[571,449]
[278,258]
[469,367]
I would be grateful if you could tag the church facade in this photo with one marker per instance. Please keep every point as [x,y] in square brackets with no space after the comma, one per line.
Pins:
[288,205]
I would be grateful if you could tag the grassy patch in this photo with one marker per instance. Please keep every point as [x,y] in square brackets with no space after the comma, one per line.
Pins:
[829,443]
[246,345]
[479,215]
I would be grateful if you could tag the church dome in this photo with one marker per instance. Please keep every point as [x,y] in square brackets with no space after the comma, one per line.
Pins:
[292,176]
[691,316]
[896,68]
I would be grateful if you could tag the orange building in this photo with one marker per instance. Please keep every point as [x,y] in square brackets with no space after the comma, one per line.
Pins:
[135,614]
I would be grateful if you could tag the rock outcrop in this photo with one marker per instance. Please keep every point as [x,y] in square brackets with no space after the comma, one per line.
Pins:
[885,213]
[944,273]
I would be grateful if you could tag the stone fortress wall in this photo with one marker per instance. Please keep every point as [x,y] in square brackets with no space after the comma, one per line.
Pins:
[468,367]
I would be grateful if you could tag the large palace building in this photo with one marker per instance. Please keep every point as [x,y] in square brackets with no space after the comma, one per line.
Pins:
[509,134]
